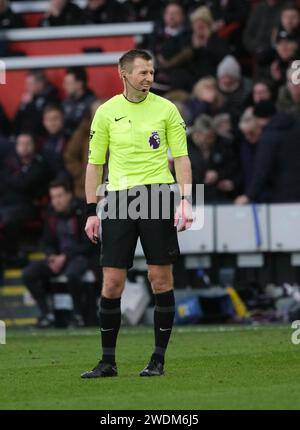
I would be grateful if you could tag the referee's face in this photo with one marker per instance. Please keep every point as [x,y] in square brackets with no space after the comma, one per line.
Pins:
[141,75]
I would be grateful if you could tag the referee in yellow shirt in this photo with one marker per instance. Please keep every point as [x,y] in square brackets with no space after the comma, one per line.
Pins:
[136,129]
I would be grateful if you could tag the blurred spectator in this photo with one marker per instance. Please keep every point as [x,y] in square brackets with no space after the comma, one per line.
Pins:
[222,125]
[23,180]
[262,90]
[250,134]
[223,11]
[201,58]
[103,11]
[206,98]
[67,248]
[277,162]
[62,12]
[180,98]
[234,87]
[143,10]
[4,123]
[54,141]
[38,93]
[289,22]
[229,19]
[213,161]
[76,152]
[9,19]
[279,59]
[263,18]
[168,38]
[78,98]
[169,35]
[289,95]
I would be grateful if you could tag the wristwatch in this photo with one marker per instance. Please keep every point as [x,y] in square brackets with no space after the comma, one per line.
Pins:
[187,198]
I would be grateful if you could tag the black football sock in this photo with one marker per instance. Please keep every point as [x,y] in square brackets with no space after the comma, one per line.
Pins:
[110,321]
[164,313]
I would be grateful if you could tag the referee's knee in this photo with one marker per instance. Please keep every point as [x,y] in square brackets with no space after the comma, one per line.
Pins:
[113,283]
[160,278]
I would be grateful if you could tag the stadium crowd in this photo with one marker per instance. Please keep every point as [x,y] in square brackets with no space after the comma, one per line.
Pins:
[226,64]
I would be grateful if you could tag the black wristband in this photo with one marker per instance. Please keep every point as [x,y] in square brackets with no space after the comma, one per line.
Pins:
[91,209]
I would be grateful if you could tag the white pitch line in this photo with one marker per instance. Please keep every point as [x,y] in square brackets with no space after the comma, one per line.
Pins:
[134,331]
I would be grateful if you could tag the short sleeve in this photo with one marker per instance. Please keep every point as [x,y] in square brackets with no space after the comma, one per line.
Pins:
[176,133]
[99,139]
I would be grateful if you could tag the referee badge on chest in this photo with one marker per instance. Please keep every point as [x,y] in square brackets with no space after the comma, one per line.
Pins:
[154,140]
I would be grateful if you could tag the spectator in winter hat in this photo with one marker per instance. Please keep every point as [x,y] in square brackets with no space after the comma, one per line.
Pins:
[234,87]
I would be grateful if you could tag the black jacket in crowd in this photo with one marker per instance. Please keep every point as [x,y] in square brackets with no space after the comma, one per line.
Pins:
[262,19]
[75,219]
[4,123]
[52,149]
[143,10]
[111,11]
[277,164]
[75,109]
[232,11]
[23,183]
[9,19]
[222,159]
[265,60]
[70,15]
[168,46]
[203,62]
[29,117]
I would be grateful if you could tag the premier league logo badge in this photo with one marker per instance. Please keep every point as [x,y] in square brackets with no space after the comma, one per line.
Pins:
[154,140]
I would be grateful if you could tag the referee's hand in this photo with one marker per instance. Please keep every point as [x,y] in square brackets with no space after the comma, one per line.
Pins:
[183,219]
[92,228]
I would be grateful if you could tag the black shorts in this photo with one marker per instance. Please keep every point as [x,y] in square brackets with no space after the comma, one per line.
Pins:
[119,237]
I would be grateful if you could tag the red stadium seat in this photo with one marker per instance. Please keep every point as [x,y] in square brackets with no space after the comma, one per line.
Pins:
[73,46]
[103,80]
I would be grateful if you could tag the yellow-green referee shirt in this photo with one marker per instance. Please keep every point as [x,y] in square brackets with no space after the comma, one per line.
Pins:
[137,136]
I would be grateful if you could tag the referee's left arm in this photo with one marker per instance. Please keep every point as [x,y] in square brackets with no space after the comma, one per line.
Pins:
[99,141]
[176,136]
[183,216]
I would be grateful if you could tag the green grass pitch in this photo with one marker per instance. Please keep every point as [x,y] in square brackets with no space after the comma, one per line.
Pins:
[230,367]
